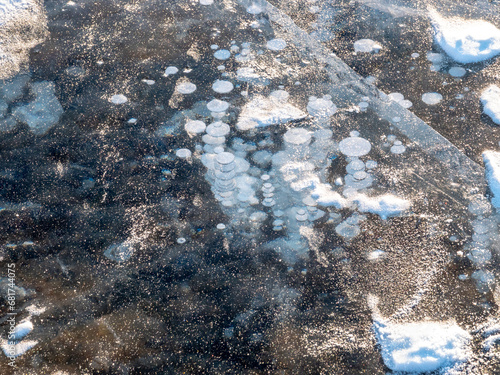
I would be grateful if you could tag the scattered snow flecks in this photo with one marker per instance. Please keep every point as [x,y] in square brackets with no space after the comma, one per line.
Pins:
[466,41]
[490,98]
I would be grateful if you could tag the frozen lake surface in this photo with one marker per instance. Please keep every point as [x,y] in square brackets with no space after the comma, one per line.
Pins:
[249,187]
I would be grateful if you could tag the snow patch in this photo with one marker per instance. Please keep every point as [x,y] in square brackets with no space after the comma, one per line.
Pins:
[490,98]
[466,41]
[367,46]
[492,164]
[262,111]
[423,346]
[385,205]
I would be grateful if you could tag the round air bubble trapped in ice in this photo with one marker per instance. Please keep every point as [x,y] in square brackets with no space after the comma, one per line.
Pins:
[355,146]
[222,87]
[222,54]
[276,44]
[217,105]
[195,127]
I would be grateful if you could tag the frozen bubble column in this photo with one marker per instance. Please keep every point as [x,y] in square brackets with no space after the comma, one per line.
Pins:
[321,109]
[297,170]
[485,238]
[224,186]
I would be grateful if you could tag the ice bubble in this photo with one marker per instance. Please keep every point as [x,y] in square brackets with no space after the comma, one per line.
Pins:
[432,98]
[185,87]
[406,104]
[222,54]
[258,216]
[276,44]
[222,87]
[181,240]
[367,46]
[301,215]
[434,57]
[363,106]
[483,226]
[170,70]
[118,99]
[268,202]
[347,231]
[254,9]
[280,95]
[480,206]
[360,175]
[183,153]
[321,107]
[398,148]
[120,252]
[213,141]
[221,226]
[396,96]
[195,127]
[218,129]
[485,280]
[278,223]
[262,157]
[479,257]
[396,119]
[391,138]
[354,146]
[415,55]
[214,47]
[206,2]
[457,71]
[148,82]
[217,105]
[297,136]
[132,120]
[355,166]
[490,98]
[225,158]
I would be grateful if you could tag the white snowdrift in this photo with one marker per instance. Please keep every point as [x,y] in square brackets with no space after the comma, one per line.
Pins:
[490,98]
[466,41]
